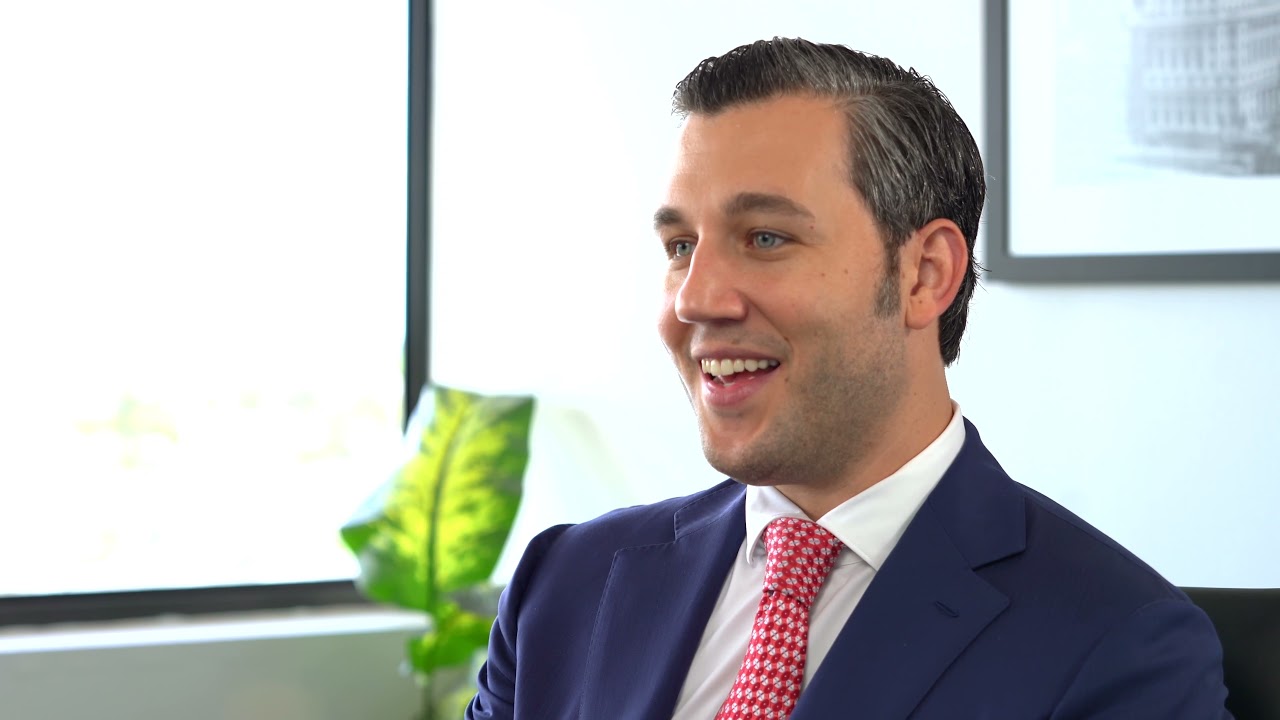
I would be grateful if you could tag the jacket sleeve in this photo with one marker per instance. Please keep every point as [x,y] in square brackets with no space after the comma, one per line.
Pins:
[496,695]
[1163,662]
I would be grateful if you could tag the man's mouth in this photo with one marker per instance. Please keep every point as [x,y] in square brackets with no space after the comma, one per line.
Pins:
[729,371]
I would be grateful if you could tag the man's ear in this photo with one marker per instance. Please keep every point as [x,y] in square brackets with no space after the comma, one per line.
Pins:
[934,261]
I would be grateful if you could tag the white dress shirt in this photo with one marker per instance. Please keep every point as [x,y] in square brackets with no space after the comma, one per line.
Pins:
[869,524]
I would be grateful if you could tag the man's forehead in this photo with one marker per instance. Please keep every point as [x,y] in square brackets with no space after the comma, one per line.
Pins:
[750,183]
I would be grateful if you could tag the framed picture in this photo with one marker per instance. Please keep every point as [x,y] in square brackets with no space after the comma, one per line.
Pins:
[1133,140]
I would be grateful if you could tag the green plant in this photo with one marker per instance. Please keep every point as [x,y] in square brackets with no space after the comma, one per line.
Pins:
[430,537]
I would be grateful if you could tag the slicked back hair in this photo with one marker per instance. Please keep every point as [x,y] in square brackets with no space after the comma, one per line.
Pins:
[910,155]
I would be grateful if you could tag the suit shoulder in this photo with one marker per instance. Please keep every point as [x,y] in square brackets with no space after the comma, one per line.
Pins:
[652,523]
[1089,559]
[590,546]
[1037,542]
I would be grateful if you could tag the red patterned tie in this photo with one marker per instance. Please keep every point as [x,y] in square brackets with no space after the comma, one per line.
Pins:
[801,555]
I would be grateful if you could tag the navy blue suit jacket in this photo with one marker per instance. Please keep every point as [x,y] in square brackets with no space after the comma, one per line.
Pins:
[997,603]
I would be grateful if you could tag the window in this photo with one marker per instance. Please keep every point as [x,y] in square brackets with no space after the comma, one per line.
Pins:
[203,288]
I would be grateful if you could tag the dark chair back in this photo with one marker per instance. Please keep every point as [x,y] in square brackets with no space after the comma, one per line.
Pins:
[1248,623]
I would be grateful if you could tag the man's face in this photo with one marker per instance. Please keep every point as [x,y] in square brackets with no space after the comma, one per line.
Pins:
[776,264]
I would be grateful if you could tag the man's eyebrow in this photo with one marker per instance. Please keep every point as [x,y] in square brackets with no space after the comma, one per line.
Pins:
[740,204]
[748,202]
[667,216]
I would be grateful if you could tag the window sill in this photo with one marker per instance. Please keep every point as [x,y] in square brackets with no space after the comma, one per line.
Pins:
[170,630]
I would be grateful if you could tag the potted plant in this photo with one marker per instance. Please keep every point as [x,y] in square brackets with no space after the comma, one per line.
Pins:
[429,538]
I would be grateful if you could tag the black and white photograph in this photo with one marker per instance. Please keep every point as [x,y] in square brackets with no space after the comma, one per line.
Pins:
[1149,128]
[1204,86]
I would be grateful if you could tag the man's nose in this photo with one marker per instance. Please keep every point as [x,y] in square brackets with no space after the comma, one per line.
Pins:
[711,290]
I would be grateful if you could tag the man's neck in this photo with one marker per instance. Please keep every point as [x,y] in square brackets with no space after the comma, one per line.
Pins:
[897,444]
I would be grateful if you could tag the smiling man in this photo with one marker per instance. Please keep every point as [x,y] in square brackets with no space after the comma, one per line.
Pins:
[776,257]
[867,556]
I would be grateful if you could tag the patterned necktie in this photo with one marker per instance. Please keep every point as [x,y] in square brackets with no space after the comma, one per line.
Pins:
[801,555]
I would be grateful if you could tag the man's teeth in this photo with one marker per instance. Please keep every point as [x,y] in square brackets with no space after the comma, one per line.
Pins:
[725,368]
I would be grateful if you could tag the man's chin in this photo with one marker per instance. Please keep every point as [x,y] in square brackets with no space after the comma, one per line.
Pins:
[744,463]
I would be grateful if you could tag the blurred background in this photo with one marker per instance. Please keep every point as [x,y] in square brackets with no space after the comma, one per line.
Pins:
[203,306]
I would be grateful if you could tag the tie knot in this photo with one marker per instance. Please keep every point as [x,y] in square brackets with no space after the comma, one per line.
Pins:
[801,555]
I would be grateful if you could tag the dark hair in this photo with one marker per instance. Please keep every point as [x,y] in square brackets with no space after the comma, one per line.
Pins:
[910,155]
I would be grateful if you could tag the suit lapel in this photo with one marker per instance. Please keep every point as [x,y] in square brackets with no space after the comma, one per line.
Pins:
[926,604]
[920,612]
[655,606]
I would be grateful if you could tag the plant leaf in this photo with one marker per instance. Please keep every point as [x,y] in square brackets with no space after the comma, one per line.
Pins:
[440,522]
[454,637]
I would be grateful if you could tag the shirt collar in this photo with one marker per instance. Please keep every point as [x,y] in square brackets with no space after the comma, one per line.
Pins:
[871,522]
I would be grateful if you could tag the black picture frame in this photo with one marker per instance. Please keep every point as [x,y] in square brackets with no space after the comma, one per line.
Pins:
[1004,265]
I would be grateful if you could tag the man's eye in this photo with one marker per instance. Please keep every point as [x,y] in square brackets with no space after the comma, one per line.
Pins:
[766,240]
[680,248]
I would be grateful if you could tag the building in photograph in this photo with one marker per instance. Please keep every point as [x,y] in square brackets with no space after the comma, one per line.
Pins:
[1204,85]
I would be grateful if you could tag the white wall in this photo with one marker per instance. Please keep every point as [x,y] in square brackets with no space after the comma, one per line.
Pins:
[1150,411]
[1147,409]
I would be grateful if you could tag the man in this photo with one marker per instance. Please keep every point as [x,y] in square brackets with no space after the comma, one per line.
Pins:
[819,228]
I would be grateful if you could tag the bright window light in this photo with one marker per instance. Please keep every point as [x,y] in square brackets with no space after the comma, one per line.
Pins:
[202,233]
